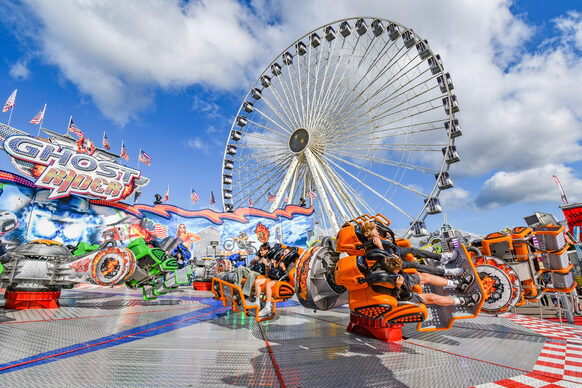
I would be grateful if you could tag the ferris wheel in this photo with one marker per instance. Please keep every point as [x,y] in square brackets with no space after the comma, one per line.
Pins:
[356,116]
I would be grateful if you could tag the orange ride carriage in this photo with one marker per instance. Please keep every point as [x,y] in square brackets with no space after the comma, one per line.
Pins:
[322,280]
[231,294]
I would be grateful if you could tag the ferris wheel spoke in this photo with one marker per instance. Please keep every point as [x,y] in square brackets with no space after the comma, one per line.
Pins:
[259,167]
[296,65]
[262,137]
[376,159]
[386,113]
[290,105]
[383,133]
[274,131]
[371,189]
[407,83]
[348,102]
[394,94]
[265,154]
[362,168]
[364,127]
[346,67]
[321,101]
[290,119]
[249,176]
[420,107]
[294,95]
[275,171]
[286,129]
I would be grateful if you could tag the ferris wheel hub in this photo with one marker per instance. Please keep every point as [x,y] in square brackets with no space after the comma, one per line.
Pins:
[299,140]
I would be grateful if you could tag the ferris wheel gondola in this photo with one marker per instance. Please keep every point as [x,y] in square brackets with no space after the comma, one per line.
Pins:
[356,116]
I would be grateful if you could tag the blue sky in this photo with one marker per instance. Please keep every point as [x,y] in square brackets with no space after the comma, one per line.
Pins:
[169,77]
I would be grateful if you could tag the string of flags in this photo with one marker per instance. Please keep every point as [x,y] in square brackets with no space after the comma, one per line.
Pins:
[73,128]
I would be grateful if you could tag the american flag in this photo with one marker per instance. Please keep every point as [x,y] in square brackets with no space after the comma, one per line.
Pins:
[145,158]
[124,154]
[106,144]
[10,102]
[212,200]
[73,128]
[167,195]
[160,231]
[194,196]
[250,202]
[312,194]
[39,116]
[271,197]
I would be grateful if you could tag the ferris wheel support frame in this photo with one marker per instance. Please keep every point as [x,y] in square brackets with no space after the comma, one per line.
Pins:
[317,180]
[283,188]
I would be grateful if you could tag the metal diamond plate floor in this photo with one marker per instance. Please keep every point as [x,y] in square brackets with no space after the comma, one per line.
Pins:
[111,337]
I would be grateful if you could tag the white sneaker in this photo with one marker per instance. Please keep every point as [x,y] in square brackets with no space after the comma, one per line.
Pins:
[447,257]
[266,311]
[251,302]
[454,272]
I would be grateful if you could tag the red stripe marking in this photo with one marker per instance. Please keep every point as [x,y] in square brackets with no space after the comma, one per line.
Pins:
[111,340]
[544,377]
[272,356]
[553,356]
[573,373]
[550,364]
[512,384]
[574,363]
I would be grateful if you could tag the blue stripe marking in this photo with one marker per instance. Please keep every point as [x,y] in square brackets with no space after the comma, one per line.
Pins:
[85,347]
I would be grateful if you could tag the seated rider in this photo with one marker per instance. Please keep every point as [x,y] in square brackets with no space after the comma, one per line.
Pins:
[392,264]
[371,236]
[282,262]
[257,267]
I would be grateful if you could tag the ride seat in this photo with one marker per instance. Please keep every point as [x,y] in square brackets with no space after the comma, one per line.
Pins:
[349,241]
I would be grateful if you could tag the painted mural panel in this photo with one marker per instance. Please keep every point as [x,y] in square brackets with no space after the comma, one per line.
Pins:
[27,213]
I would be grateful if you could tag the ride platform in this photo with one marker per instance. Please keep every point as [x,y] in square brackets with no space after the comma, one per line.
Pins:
[112,337]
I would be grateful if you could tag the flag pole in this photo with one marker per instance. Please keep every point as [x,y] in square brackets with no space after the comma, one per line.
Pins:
[41,120]
[138,158]
[10,116]
[190,199]
[68,126]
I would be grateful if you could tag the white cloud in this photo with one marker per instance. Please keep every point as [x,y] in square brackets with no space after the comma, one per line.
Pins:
[533,185]
[19,71]
[571,26]
[455,198]
[196,144]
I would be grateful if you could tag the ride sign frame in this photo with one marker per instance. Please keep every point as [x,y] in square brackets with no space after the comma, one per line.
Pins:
[68,172]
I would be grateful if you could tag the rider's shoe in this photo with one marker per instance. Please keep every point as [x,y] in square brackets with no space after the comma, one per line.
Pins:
[470,300]
[266,311]
[465,282]
[455,272]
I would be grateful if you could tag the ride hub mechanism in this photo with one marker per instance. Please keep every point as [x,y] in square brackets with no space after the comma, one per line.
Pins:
[299,140]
